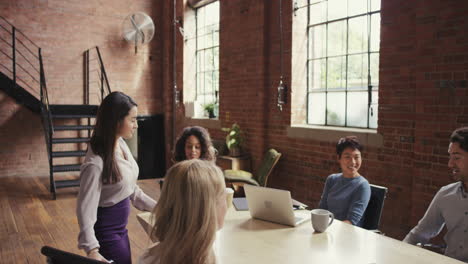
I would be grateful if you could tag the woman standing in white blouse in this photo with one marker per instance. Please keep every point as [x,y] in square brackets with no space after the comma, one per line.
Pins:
[108,183]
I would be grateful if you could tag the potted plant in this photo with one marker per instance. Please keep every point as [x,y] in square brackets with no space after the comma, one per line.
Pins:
[210,109]
[234,139]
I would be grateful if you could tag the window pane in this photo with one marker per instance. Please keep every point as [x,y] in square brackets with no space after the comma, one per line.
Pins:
[201,42]
[200,16]
[211,36]
[336,109]
[207,55]
[216,37]
[336,75]
[375,5]
[336,38]
[213,11]
[357,109]
[200,61]
[203,100]
[316,111]
[337,9]
[357,72]
[356,7]
[318,42]
[318,13]
[375,32]
[210,88]
[357,35]
[374,111]
[317,74]
[343,57]
[209,60]
[208,83]
[216,84]
[200,84]
[216,57]
[374,69]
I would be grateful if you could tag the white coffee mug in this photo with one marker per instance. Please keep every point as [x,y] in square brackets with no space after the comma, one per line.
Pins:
[321,219]
[229,197]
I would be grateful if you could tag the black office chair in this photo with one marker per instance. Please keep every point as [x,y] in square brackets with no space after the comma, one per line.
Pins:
[374,208]
[57,256]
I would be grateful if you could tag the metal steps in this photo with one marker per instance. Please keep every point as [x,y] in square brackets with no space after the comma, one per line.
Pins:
[65,128]
[65,168]
[64,154]
[69,140]
[74,110]
[64,115]
[67,183]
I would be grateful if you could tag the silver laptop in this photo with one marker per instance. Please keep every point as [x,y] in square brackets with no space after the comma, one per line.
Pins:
[273,205]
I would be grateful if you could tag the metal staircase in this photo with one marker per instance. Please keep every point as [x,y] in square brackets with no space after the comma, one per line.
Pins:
[68,143]
[67,128]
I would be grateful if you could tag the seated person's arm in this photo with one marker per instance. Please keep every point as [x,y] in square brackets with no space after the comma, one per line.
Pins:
[323,204]
[428,227]
[358,204]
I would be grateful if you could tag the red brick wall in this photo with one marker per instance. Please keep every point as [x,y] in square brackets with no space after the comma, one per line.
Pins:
[64,30]
[423,93]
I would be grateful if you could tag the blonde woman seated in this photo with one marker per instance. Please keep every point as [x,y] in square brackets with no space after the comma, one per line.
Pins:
[190,210]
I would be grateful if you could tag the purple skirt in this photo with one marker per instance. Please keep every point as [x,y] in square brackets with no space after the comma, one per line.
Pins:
[112,234]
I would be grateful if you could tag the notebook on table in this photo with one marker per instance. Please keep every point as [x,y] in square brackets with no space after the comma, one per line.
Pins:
[240,203]
[273,205]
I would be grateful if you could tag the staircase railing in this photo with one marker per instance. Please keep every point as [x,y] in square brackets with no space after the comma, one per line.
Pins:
[26,68]
[102,80]
[45,111]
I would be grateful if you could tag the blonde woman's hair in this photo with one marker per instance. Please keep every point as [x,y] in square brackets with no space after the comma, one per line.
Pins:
[186,213]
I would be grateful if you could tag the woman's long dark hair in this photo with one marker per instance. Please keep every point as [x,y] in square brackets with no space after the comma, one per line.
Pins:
[111,113]
[207,149]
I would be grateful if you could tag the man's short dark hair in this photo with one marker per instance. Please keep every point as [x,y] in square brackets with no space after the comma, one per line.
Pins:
[460,136]
[348,142]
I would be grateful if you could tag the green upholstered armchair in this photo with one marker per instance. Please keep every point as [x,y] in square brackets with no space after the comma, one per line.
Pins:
[240,177]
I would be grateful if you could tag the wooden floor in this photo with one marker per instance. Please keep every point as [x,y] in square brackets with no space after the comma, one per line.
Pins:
[30,219]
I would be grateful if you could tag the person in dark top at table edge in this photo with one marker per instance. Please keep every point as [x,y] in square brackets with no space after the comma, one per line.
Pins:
[347,194]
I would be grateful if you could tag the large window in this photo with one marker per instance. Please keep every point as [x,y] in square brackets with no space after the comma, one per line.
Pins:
[343,62]
[207,56]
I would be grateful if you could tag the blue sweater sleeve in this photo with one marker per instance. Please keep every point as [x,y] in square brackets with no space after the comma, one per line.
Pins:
[359,202]
[323,200]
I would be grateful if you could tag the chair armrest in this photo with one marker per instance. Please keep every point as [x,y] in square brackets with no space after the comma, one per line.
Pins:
[242,177]
[237,174]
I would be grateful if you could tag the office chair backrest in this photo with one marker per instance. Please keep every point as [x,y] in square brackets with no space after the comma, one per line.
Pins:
[269,162]
[375,207]
[57,256]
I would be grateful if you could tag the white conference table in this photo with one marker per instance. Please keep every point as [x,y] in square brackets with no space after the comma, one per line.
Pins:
[247,240]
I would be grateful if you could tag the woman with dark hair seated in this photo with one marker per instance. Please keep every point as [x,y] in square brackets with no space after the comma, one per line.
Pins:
[194,143]
[347,194]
